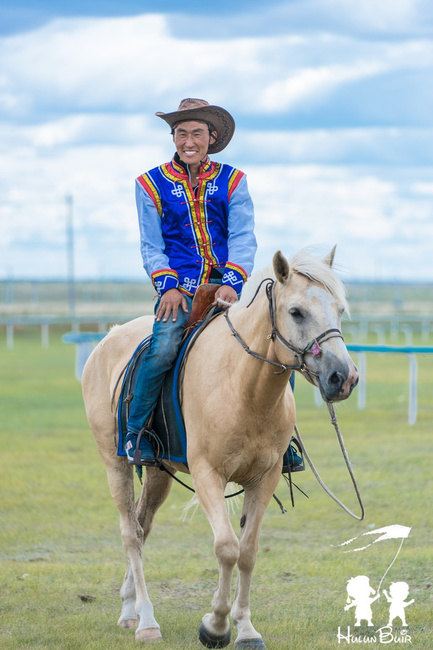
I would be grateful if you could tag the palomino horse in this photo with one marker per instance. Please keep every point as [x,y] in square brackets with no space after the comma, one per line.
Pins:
[239,415]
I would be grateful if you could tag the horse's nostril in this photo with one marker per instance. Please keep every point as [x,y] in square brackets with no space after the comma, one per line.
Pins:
[336,379]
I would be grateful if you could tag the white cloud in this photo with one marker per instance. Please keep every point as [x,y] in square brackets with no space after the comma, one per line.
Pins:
[372,18]
[369,212]
[423,188]
[308,84]
[372,145]
[386,15]
[83,128]
[368,145]
[365,214]
[79,96]
[135,63]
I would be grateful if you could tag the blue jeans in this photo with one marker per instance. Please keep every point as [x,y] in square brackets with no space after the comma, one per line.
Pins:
[158,359]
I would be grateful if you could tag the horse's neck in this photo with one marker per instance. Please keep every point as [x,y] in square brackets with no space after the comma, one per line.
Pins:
[261,381]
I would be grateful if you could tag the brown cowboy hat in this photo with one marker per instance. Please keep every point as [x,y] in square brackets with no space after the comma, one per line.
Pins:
[218,119]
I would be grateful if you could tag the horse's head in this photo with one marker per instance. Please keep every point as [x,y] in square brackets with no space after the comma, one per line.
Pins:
[309,303]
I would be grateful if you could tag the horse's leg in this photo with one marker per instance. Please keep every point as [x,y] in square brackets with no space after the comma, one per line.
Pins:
[128,617]
[215,626]
[120,480]
[255,503]
[155,490]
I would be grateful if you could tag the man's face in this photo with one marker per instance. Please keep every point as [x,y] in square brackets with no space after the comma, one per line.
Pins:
[192,140]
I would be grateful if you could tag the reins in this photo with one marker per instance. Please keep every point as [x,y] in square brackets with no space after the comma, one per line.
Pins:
[347,462]
[163,468]
[313,348]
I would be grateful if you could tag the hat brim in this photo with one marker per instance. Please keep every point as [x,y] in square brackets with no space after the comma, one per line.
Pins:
[220,120]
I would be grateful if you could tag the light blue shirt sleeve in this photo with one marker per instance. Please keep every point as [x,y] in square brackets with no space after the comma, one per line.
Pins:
[242,244]
[152,242]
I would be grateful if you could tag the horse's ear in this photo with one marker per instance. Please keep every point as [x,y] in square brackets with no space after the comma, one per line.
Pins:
[281,267]
[329,259]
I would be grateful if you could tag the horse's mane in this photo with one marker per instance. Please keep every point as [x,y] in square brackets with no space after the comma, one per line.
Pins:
[306,264]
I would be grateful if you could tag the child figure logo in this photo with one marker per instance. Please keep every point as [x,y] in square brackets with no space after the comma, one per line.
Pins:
[358,596]
[361,596]
[398,592]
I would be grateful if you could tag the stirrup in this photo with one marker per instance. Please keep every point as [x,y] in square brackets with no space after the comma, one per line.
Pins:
[293,460]
[151,437]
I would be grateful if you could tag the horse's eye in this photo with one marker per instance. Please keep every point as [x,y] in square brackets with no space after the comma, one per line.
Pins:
[296,313]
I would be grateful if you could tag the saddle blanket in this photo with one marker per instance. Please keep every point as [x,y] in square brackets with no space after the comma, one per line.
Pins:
[167,423]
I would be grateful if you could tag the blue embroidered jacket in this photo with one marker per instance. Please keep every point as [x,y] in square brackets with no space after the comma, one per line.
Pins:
[187,232]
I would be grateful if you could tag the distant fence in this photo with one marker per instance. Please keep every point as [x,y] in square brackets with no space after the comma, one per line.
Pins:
[392,327]
[410,351]
[360,328]
[100,321]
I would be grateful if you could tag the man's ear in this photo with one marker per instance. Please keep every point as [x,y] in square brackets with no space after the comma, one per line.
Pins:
[329,259]
[213,137]
[281,267]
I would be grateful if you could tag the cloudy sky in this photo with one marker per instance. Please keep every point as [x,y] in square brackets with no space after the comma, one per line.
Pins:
[333,101]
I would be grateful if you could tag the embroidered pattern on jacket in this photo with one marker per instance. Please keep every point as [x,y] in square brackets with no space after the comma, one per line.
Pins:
[165,279]
[235,267]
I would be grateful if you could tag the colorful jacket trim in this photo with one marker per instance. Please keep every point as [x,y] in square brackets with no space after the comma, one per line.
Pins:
[187,232]
[164,280]
[234,276]
[147,184]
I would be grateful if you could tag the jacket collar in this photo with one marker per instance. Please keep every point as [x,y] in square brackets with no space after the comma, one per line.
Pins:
[181,169]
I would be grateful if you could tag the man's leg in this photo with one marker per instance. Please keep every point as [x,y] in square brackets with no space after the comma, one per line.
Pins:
[158,359]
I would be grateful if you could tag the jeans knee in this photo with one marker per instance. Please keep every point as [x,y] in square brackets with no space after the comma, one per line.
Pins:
[167,347]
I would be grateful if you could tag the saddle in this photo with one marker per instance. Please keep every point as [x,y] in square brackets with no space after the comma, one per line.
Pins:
[203,300]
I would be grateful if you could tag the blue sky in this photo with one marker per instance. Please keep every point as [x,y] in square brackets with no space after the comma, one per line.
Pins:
[333,102]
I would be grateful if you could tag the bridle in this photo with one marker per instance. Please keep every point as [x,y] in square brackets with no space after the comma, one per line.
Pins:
[313,347]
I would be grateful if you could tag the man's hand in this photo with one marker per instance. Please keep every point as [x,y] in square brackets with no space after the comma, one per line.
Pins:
[225,294]
[170,303]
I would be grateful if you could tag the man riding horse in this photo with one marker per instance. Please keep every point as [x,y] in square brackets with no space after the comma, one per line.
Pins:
[196,223]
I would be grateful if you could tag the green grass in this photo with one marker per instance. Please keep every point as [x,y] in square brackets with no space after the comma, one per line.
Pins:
[59,536]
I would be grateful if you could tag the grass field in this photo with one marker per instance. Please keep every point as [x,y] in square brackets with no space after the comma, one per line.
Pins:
[60,551]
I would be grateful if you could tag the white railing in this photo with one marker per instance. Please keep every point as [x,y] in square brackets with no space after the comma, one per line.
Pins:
[411,351]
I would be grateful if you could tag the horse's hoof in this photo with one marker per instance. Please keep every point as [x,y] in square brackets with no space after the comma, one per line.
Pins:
[212,640]
[250,644]
[127,623]
[148,634]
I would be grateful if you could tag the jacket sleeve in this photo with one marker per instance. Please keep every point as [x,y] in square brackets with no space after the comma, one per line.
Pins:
[242,243]
[155,261]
